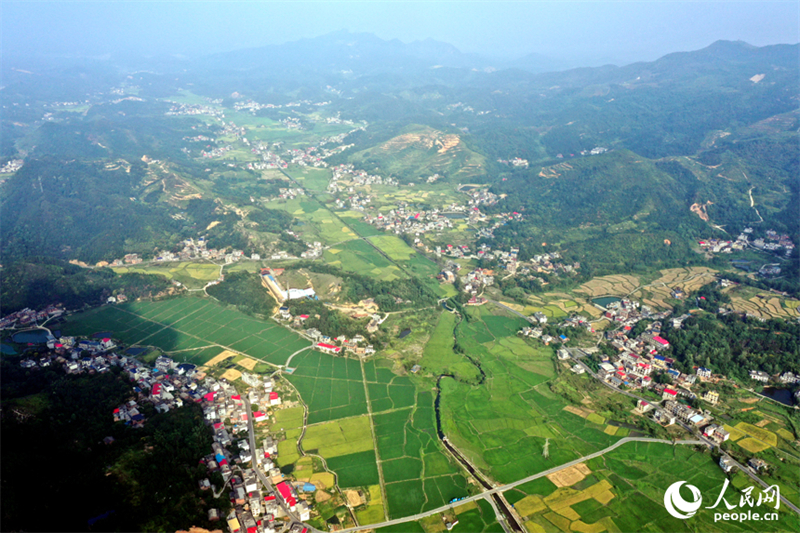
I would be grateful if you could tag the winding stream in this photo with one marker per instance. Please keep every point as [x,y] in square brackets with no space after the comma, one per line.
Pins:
[498,500]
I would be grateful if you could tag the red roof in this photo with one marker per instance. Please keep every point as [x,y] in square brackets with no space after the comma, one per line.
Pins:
[253,529]
[116,410]
[661,340]
[328,346]
[266,455]
[156,389]
[106,340]
[269,498]
[670,392]
[273,395]
[209,396]
[236,397]
[304,317]
[286,493]
[218,425]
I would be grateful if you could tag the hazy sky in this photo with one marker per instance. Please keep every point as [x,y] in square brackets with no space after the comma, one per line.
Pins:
[618,32]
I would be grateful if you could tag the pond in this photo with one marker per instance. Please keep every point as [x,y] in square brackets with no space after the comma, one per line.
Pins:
[102,335]
[404,333]
[605,300]
[779,395]
[36,336]
[136,351]
[8,350]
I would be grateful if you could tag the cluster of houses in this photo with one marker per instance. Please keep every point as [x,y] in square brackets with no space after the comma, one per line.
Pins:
[313,156]
[253,106]
[11,166]
[215,152]
[515,162]
[178,109]
[350,177]
[28,316]
[773,242]
[717,246]
[401,220]
[627,313]
[538,333]
[476,280]
[480,196]
[255,508]
[597,150]
[358,345]
[786,378]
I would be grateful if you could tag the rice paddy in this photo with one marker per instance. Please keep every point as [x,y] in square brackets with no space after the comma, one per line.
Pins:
[624,491]
[189,329]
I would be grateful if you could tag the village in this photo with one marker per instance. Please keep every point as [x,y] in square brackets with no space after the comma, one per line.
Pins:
[773,242]
[263,499]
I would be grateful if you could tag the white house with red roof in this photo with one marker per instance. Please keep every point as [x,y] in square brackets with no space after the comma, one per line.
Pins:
[274,399]
[286,493]
[669,394]
[328,348]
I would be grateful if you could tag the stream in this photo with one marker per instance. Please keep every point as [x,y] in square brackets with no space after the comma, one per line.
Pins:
[510,520]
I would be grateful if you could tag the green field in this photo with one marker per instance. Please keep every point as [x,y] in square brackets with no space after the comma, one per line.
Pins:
[339,437]
[356,469]
[332,387]
[313,179]
[359,257]
[395,247]
[503,425]
[181,326]
[625,492]
[192,275]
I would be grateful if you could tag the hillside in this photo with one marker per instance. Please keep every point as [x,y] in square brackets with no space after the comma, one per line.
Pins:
[421,151]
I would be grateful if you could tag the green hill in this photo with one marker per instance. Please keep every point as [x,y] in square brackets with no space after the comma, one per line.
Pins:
[421,151]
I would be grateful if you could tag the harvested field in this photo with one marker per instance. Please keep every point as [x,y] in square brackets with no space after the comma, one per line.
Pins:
[353,498]
[321,496]
[221,357]
[786,434]
[569,476]
[564,497]
[618,285]
[466,507]
[530,505]
[764,435]
[323,480]
[735,433]
[231,374]
[752,445]
[581,412]
[247,363]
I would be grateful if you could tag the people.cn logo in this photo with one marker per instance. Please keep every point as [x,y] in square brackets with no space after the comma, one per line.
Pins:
[677,506]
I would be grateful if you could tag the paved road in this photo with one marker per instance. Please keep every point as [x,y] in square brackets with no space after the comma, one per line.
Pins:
[711,444]
[504,488]
[264,480]
[507,308]
[286,364]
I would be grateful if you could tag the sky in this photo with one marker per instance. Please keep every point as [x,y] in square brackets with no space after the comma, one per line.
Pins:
[587,32]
